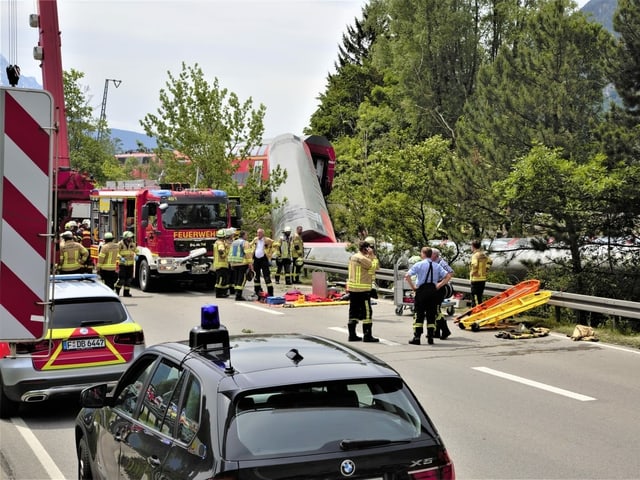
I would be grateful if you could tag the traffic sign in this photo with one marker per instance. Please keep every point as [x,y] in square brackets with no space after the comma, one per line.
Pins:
[26,119]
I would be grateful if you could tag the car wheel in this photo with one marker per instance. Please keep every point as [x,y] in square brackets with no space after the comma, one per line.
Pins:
[8,408]
[144,276]
[84,461]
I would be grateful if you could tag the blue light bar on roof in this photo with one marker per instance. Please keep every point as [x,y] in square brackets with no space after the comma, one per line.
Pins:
[219,193]
[161,193]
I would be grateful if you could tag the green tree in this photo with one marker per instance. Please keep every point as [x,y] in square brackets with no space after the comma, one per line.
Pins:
[433,50]
[571,202]
[354,78]
[545,87]
[202,130]
[626,75]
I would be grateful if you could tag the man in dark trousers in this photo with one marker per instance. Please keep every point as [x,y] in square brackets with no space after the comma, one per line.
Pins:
[359,286]
[430,277]
[108,261]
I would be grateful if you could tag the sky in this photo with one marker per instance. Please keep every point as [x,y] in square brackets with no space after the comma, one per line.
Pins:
[276,52]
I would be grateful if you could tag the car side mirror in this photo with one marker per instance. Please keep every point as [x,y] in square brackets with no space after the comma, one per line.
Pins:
[94,397]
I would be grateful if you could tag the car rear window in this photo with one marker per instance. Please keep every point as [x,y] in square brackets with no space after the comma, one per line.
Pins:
[87,312]
[332,416]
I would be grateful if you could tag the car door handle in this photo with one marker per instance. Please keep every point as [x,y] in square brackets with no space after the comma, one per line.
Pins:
[153,461]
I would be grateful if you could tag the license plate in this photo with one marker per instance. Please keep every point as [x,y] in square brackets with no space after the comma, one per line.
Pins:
[83,344]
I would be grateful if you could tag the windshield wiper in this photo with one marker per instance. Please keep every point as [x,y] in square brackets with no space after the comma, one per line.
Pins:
[356,444]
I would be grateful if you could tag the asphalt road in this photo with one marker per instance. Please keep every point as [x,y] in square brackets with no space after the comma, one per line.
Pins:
[506,409]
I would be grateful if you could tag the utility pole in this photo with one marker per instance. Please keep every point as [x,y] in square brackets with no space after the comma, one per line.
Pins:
[103,112]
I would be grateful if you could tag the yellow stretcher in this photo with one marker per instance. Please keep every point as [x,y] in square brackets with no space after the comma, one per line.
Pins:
[522,288]
[491,317]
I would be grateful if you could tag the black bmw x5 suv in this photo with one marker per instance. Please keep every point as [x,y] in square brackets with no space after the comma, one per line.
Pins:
[257,407]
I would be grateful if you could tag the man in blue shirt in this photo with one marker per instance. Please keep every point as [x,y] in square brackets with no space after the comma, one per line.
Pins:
[429,278]
[442,329]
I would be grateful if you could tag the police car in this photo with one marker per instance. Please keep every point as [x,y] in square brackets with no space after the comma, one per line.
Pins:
[270,406]
[91,338]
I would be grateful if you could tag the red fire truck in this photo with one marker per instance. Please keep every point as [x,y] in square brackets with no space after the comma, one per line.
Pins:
[174,227]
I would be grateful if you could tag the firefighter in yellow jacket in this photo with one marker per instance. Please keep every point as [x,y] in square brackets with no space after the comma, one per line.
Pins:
[108,261]
[297,255]
[127,252]
[359,285]
[221,264]
[240,262]
[73,255]
[480,263]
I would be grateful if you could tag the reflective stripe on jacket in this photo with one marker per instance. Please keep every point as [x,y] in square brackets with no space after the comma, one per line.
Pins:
[359,279]
[108,257]
[72,256]
[297,245]
[127,253]
[240,253]
[220,253]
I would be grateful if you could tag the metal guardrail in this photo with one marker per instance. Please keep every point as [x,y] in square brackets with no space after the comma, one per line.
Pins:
[574,301]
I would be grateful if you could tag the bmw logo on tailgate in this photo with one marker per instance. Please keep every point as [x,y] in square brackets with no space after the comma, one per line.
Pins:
[347,468]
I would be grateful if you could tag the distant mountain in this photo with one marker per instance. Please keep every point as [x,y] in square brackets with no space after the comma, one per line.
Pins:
[602,12]
[127,140]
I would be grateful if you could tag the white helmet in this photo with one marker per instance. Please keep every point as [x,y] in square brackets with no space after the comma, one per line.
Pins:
[371,241]
[71,224]
[287,229]
[86,222]
[67,235]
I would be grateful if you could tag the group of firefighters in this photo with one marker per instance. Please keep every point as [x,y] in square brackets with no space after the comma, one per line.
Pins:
[116,260]
[236,259]
[428,277]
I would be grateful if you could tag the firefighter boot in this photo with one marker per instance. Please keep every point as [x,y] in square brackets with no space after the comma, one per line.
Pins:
[366,330]
[270,290]
[417,332]
[353,337]
[126,293]
[441,324]
[430,330]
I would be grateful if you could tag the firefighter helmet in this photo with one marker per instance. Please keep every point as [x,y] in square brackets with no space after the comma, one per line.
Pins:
[67,235]
[287,229]
[221,233]
[371,241]
[108,236]
[127,234]
[86,223]
[70,224]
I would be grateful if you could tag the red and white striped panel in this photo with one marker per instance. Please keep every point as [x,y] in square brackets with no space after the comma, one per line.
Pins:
[25,191]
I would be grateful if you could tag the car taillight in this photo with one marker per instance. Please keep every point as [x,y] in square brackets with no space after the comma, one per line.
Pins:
[132,338]
[30,348]
[443,472]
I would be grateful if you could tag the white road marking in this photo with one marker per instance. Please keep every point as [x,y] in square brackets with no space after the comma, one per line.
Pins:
[40,453]
[532,383]
[261,309]
[346,332]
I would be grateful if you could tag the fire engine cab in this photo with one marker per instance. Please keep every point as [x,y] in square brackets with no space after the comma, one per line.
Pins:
[174,227]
